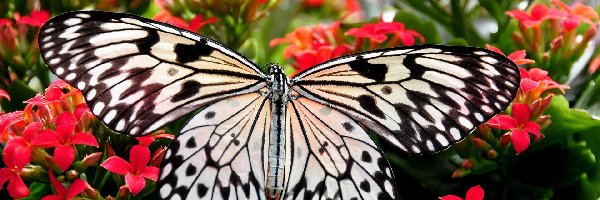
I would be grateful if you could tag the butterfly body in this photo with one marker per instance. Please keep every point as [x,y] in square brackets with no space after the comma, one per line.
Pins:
[260,136]
[278,95]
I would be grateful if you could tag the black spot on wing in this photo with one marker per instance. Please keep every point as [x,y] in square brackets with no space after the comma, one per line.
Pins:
[366,157]
[188,53]
[369,70]
[410,62]
[365,186]
[348,126]
[368,103]
[188,89]
[146,43]
[201,189]
[190,170]
[210,115]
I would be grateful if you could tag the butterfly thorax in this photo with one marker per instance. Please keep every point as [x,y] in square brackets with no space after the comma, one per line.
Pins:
[279,88]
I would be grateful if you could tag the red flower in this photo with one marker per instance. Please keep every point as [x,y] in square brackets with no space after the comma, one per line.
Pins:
[75,188]
[519,126]
[135,170]
[7,120]
[518,57]
[573,16]
[194,25]
[539,13]
[4,94]
[197,22]
[378,33]
[22,144]
[307,38]
[11,173]
[310,58]
[148,139]
[37,18]
[63,139]
[474,193]
[538,80]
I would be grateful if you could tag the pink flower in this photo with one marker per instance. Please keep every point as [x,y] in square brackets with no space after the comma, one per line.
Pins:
[377,32]
[37,18]
[310,58]
[4,94]
[63,140]
[62,193]
[518,57]
[538,79]
[474,193]
[519,126]
[573,16]
[539,13]
[136,170]
[148,139]
[197,23]
[22,144]
[11,173]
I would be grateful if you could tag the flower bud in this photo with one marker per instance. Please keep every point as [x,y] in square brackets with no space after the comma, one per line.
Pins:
[481,144]
[71,175]
[157,156]
[505,140]
[556,44]
[91,160]
[91,193]
[123,192]
[492,154]
[467,164]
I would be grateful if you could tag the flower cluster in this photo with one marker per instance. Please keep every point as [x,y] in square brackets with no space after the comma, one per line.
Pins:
[59,122]
[310,45]
[555,35]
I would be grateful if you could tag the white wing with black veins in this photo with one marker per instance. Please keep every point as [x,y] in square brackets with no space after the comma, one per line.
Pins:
[421,98]
[137,74]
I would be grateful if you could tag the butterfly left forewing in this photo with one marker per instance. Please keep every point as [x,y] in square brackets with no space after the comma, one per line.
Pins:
[420,99]
[137,74]
[329,156]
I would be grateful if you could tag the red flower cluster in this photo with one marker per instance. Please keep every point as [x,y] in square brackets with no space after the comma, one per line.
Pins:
[534,96]
[58,121]
[310,45]
[194,25]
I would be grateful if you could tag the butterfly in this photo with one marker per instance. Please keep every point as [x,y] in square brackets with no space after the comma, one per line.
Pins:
[267,136]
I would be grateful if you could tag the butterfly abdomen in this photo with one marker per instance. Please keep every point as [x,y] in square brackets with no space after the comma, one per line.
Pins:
[279,92]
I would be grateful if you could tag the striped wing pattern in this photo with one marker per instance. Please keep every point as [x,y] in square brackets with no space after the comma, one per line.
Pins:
[220,153]
[420,99]
[331,157]
[137,74]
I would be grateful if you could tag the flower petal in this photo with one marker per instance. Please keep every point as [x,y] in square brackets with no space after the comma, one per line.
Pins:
[5,174]
[59,188]
[520,140]
[31,130]
[64,156]
[76,187]
[150,173]
[521,112]
[533,128]
[135,183]
[116,165]
[46,139]
[84,138]
[17,188]
[528,84]
[53,197]
[138,157]
[503,122]
[475,193]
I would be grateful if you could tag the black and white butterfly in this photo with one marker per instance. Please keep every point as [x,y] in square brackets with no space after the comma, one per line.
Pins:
[262,136]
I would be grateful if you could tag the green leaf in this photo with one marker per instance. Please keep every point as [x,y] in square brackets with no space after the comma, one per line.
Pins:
[554,166]
[565,122]
[590,97]
[426,27]
[519,190]
[18,92]
[38,190]
[582,190]
[592,139]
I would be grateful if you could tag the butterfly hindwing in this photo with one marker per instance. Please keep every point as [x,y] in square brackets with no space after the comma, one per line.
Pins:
[421,98]
[137,74]
[330,156]
[220,153]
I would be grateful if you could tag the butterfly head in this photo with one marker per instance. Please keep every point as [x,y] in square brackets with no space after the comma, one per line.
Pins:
[275,69]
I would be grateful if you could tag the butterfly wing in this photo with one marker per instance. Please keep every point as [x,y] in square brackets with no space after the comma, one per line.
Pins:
[329,156]
[421,98]
[137,74]
[221,152]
